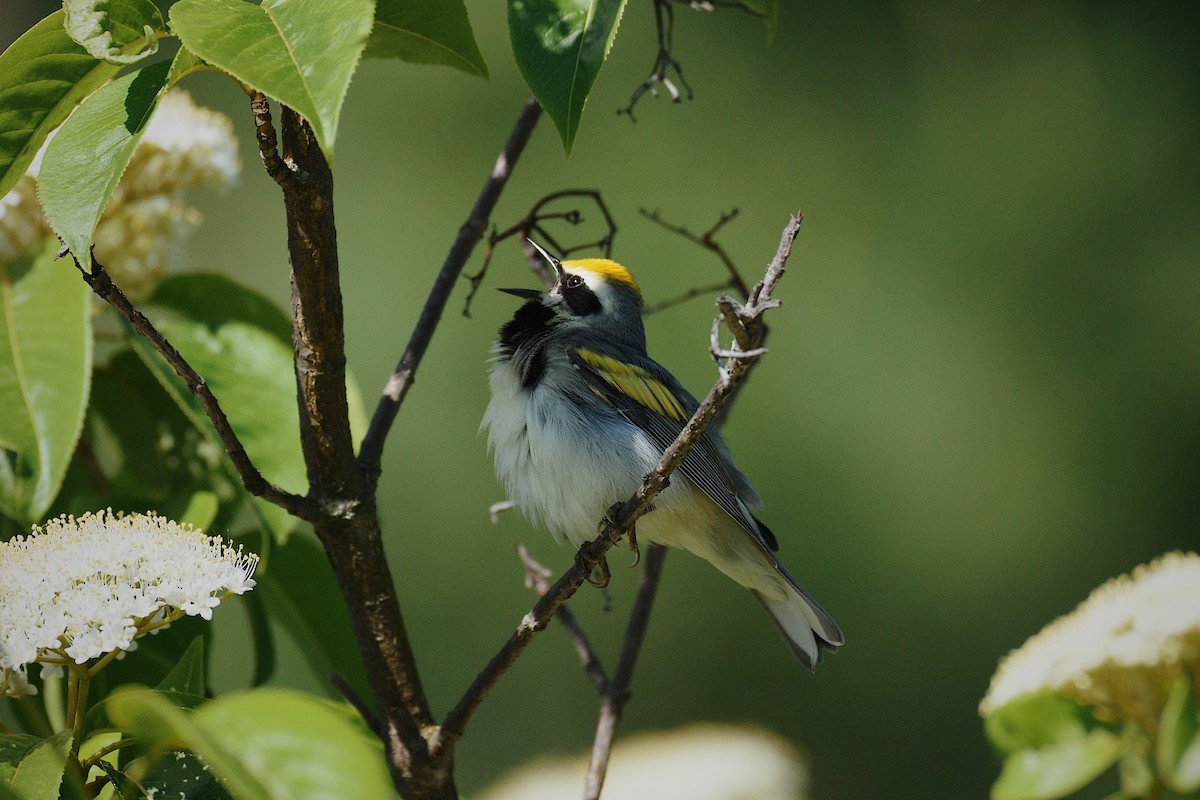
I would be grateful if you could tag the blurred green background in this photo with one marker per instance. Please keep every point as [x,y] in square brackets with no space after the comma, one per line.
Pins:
[982,396]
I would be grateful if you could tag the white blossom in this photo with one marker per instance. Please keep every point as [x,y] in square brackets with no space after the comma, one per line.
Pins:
[1119,650]
[77,589]
[141,232]
[700,762]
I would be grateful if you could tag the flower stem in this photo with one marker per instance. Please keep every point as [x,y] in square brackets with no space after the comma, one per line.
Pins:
[80,682]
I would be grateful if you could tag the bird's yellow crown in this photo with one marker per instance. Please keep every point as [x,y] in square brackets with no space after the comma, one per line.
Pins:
[609,270]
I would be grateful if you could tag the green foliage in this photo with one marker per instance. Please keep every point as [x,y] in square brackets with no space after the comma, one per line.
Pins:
[269,744]
[84,163]
[242,346]
[1053,746]
[425,32]
[306,602]
[40,771]
[560,46]
[45,370]
[1178,747]
[302,54]
[117,31]
[42,76]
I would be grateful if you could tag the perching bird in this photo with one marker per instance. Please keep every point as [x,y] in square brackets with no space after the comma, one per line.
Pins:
[580,414]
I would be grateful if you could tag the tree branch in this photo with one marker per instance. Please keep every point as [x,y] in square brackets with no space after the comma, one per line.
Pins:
[469,234]
[346,521]
[617,693]
[618,522]
[537,578]
[102,284]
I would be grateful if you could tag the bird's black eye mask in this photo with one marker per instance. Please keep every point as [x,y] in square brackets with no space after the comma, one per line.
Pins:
[578,296]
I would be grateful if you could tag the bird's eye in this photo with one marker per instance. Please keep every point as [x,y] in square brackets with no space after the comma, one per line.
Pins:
[574,282]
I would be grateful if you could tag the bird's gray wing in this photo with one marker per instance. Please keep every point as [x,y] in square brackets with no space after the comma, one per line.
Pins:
[649,397]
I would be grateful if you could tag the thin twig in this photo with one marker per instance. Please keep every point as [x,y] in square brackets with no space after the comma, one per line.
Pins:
[537,578]
[617,693]
[340,683]
[620,521]
[469,234]
[664,62]
[532,225]
[707,240]
[102,284]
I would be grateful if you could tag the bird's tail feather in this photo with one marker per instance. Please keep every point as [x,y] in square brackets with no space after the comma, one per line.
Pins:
[806,627]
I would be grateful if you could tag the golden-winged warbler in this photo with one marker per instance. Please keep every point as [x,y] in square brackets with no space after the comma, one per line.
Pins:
[580,414]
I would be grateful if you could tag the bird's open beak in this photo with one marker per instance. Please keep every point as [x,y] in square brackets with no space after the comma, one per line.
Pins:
[527,294]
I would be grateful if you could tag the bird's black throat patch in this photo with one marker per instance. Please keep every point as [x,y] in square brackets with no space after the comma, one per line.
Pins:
[522,341]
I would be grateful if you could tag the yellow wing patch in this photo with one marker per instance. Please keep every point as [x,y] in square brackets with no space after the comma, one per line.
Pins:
[635,383]
[610,270]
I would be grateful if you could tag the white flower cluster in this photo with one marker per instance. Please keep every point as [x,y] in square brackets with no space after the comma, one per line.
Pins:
[82,588]
[1119,650]
[142,230]
[699,762]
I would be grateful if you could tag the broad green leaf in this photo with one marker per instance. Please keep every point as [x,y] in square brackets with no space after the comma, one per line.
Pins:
[301,54]
[233,338]
[268,744]
[14,746]
[43,75]
[178,773]
[1178,745]
[298,747]
[425,32]
[116,31]
[1059,769]
[85,161]
[1037,720]
[305,600]
[560,46]
[187,676]
[45,367]
[40,772]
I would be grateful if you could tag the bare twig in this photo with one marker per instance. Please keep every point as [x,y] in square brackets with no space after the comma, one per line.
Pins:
[664,62]
[532,225]
[620,521]
[537,578]
[707,240]
[102,284]
[617,693]
[468,236]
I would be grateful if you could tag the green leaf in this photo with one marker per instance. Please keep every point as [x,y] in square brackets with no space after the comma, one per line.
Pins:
[425,32]
[560,46]
[201,510]
[178,773]
[116,31]
[85,161]
[40,772]
[187,676]
[1059,769]
[268,744]
[1178,746]
[43,75]
[1038,720]
[301,54]
[45,366]
[234,338]
[305,600]
[14,746]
